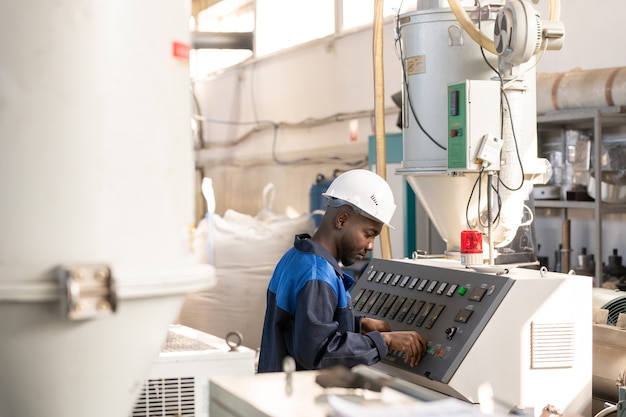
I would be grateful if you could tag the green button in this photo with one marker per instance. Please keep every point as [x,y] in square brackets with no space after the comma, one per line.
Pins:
[462,290]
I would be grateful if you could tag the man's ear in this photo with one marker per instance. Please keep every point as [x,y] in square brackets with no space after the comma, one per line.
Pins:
[341,219]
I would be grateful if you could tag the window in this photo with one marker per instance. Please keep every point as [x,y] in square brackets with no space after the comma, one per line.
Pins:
[225,16]
[279,24]
[284,23]
[361,12]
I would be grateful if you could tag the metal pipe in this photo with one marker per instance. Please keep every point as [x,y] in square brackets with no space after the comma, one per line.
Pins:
[566,246]
[598,213]
[604,87]
[222,40]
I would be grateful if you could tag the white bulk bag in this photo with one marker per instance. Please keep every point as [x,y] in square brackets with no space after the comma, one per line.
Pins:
[244,250]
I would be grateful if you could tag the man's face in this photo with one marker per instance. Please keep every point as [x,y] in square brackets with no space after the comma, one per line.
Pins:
[357,238]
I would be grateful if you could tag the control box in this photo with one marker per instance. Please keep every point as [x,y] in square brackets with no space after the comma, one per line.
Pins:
[473,114]
[521,335]
[448,307]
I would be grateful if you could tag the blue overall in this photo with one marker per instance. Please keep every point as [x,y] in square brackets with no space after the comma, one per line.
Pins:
[309,314]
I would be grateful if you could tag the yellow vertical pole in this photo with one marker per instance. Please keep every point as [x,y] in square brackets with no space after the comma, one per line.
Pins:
[379,112]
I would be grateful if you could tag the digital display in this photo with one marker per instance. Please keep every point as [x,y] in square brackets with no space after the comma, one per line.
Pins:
[454,103]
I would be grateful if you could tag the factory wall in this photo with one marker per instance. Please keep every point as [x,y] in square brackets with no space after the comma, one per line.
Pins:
[309,111]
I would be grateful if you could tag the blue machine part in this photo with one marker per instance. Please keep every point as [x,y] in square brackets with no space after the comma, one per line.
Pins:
[317,202]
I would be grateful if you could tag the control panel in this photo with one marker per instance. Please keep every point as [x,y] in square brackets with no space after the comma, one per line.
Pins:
[473,114]
[449,307]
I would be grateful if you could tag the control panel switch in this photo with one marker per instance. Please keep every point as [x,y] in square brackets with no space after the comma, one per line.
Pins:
[450,332]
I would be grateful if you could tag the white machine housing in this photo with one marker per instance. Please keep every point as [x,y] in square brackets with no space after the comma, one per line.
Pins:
[97,176]
[527,345]
[178,381]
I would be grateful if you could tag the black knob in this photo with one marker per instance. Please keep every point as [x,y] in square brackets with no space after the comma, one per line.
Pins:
[450,332]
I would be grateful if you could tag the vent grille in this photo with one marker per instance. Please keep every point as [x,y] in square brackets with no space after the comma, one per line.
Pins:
[552,345]
[177,342]
[167,397]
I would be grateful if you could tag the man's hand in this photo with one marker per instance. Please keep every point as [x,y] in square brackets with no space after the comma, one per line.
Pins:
[411,343]
[371,325]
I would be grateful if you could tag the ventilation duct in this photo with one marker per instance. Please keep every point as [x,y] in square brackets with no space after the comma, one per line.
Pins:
[581,89]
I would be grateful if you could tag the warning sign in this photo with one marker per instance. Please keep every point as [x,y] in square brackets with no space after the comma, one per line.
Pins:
[416,65]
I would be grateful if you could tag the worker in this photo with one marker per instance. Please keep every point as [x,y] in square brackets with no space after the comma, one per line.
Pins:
[309,314]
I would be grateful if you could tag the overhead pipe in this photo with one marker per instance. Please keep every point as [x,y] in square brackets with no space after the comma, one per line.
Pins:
[222,40]
[581,89]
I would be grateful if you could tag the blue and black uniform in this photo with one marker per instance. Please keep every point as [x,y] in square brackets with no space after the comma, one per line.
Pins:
[309,314]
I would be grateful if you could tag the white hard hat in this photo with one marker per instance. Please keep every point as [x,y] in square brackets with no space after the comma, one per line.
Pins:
[366,191]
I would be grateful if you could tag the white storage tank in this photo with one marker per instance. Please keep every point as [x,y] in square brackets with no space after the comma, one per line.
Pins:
[437,51]
[96,174]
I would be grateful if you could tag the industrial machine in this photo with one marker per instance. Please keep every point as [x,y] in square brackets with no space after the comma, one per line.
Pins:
[508,340]
[178,381]
[609,348]
[94,260]
[469,131]
[96,172]
[450,139]
[513,332]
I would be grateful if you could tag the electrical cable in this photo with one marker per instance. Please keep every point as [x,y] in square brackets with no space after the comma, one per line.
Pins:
[405,82]
[519,158]
[482,49]
[534,65]
[478,185]
[504,95]
[467,206]
[258,126]
[496,219]
[478,182]
[357,164]
[261,125]
[480,198]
